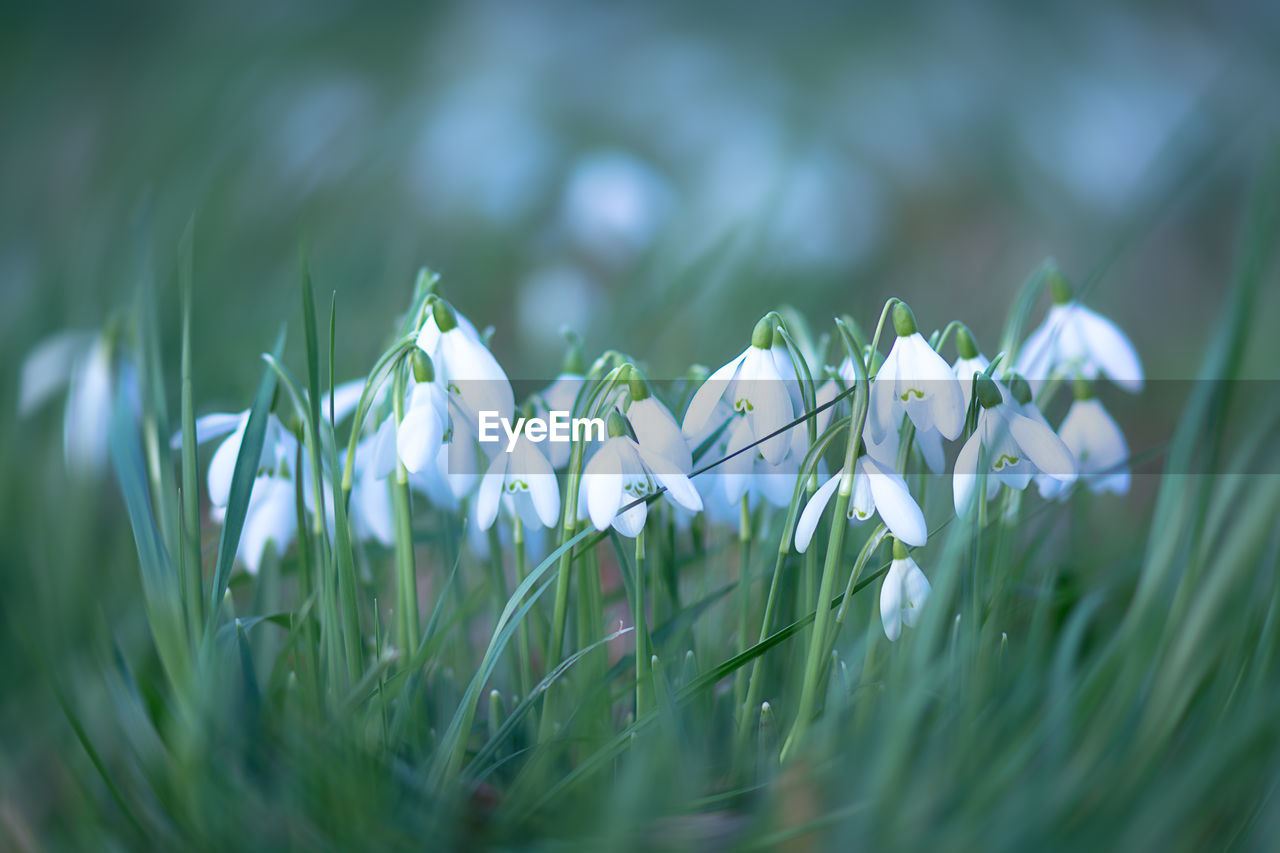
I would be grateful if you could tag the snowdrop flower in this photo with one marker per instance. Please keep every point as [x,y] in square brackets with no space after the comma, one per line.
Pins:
[753,386]
[748,474]
[622,471]
[466,371]
[427,418]
[654,426]
[903,593]
[524,482]
[876,488]
[271,519]
[279,450]
[83,362]
[915,380]
[1098,444]
[969,363]
[371,516]
[1016,446]
[1076,341]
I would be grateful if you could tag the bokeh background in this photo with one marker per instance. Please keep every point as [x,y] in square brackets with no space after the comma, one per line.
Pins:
[654,175]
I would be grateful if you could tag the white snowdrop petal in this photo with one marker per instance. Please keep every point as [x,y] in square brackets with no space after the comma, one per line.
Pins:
[602,484]
[812,513]
[964,480]
[419,436]
[1042,447]
[704,400]
[899,511]
[1111,349]
[891,601]
[487,499]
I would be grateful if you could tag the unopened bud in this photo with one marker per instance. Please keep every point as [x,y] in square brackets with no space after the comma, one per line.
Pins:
[446,320]
[762,334]
[988,394]
[1019,388]
[1058,287]
[618,425]
[903,320]
[965,344]
[423,370]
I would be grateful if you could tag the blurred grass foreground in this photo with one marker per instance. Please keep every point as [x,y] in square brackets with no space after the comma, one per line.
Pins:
[294,637]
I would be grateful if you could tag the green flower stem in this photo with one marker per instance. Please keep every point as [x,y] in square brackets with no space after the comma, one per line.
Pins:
[744,602]
[643,663]
[407,630]
[522,635]
[863,556]
[816,658]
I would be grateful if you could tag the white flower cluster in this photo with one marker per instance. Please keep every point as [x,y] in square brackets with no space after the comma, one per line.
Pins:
[749,418]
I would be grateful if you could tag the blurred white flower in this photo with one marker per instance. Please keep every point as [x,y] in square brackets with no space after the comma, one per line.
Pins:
[1075,341]
[82,361]
[614,205]
[1099,446]
[465,370]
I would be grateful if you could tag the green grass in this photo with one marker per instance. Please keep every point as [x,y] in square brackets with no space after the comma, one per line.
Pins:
[1060,691]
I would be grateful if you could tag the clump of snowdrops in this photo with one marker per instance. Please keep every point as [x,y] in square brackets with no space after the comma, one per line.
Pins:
[517,619]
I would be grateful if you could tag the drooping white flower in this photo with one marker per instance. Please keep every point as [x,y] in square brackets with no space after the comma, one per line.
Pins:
[271,518]
[622,471]
[1016,446]
[754,388]
[903,593]
[427,420]
[370,506]
[83,361]
[969,363]
[1098,444]
[523,481]
[915,380]
[654,426]
[876,488]
[466,371]
[1075,341]
[746,473]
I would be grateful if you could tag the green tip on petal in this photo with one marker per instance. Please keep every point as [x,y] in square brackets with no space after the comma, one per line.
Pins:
[965,344]
[1082,389]
[1058,287]
[1019,388]
[762,334]
[988,394]
[446,320]
[618,425]
[423,369]
[899,550]
[904,322]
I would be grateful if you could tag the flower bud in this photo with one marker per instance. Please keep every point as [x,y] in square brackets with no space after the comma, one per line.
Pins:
[986,391]
[574,362]
[1019,388]
[446,320]
[1058,287]
[637,387]
[618,425]
[965,344]
[903,320]
[423,370]
[762,334]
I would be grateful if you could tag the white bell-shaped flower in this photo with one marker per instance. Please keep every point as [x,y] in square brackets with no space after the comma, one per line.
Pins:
[915,380]
[1075,341]
[755,389]
[903,593]
[466,371]
[1016,446]
[1098,444]
[876,489]
[524,482]
[623,471]
[969,363]
[271,519]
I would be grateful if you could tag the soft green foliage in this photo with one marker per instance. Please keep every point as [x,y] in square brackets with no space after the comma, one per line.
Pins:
[1057,692]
